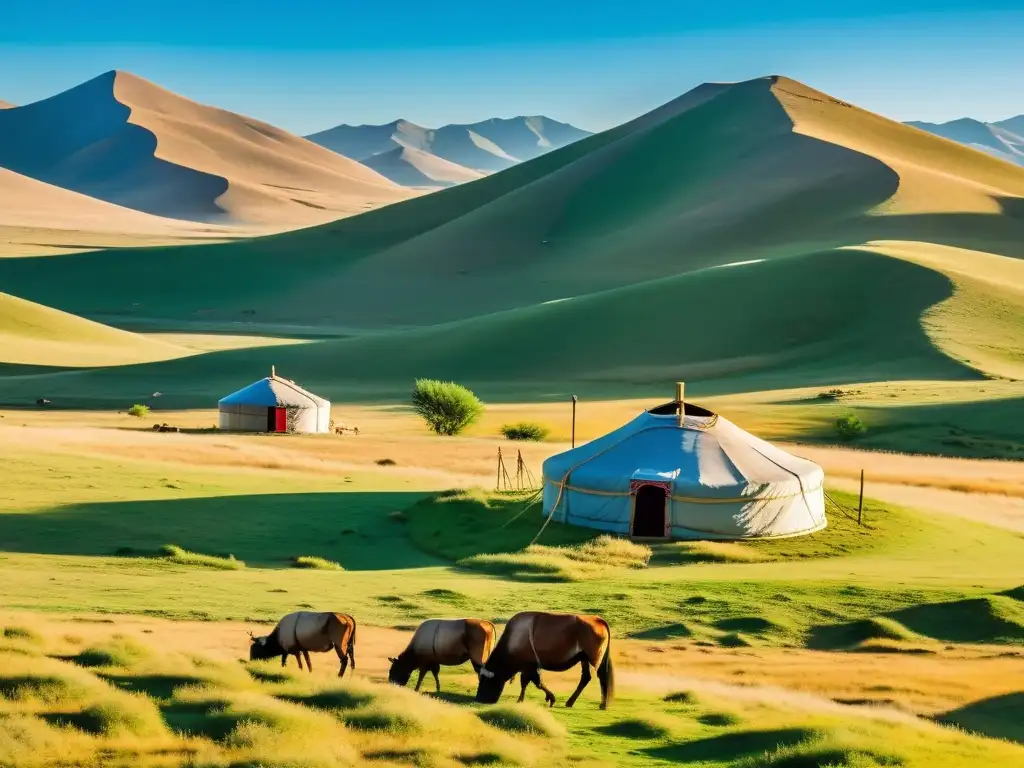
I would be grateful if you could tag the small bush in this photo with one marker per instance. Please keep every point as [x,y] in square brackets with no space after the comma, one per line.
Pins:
[525,430]
[850,426]
[138,410]
[386,462]
[22,633]
[176,554]
[315,563]
[448,408]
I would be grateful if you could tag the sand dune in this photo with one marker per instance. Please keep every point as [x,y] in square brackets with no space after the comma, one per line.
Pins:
[125,140]
[416,168]
[26,203]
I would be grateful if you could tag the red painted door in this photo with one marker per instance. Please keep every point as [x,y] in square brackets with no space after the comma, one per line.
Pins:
[280,420]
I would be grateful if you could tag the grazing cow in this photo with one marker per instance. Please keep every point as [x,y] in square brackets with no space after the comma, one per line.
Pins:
[443,641]
[533,641]
[305,631]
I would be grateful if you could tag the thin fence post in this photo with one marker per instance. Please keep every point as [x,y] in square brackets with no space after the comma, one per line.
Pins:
[574,421]
[497,483]
[860,504]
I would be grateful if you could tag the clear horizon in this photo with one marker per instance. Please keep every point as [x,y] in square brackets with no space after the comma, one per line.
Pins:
[592,65]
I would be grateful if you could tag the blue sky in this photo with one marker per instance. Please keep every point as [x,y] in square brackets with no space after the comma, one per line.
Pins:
[306,65]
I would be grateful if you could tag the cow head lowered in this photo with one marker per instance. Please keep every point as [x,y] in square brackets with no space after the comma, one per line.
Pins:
[492,683]
[401,669]
[265,647]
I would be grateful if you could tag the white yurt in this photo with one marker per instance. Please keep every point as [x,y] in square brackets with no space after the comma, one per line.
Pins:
[682,472]
[274,404]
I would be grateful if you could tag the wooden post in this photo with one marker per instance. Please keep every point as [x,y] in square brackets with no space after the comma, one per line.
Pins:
[860,504]
[273,371]
[497,483]
[680,388]
[574,421]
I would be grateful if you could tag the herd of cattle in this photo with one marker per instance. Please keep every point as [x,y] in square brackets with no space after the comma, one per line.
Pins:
[532,641]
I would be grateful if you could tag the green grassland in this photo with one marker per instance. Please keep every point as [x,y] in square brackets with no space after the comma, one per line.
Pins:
[121,702]
[904,582]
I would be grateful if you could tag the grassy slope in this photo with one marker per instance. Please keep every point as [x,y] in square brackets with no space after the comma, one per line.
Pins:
[125,700]
[624,226]
[31,334]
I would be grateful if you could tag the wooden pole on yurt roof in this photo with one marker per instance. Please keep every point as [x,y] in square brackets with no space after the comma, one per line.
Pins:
[680,387]
[273,372]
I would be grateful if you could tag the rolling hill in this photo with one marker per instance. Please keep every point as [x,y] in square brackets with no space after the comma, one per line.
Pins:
[744,236]
[484,147]
[124,140]
[1004,140]
[5,104]
[34,335]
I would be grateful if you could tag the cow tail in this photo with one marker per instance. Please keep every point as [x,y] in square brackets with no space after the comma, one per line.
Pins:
[606,673]
[352,644]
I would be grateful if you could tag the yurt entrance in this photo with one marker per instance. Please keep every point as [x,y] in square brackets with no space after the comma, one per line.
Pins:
[650,509]
[277,419]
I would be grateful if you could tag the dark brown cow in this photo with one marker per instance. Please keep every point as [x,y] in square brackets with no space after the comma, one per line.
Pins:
[305,631]
[533,641]
[443,641]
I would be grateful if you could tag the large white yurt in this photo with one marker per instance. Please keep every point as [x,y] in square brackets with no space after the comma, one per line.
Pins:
[682,472]
[274,404]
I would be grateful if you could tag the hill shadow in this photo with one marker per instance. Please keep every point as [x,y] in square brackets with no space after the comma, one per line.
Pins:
[998,717]
[262,529]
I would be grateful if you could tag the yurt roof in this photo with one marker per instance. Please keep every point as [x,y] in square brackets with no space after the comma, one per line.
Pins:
[704,451]
[274,391]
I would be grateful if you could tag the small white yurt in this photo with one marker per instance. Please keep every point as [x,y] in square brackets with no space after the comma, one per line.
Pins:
[682,472]
[274,404]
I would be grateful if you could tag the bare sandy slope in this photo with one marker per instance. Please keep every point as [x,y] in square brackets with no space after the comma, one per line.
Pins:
[413,167]
[26,203]
[125,140]
[5,104]
[31,334]
[936,175]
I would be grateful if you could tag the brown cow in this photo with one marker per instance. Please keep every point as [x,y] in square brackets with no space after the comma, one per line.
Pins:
[305,631]
[443,641]
[533,641]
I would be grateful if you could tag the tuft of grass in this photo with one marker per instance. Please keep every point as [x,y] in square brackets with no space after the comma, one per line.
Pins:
[591,559]
[682,552]
[386,463]
[139,411]
[522,719]
[47,688]
[116,716]
[182,556]
[122,652]
[525,430]
[315,563]
[22,633]
[379,718]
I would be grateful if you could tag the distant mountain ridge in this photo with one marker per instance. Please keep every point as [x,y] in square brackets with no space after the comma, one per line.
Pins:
[5,104]
[479,148]
[1003,139]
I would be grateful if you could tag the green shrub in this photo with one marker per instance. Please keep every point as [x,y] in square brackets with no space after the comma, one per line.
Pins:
[850,426]
[447,407]
[139,410]
[176,554]
[524,430]
[316,563]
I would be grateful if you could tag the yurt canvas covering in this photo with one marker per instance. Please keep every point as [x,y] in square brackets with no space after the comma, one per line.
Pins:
[274,404]
[699,477]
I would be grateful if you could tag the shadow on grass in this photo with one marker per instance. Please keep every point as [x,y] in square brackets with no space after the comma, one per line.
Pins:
[729,746]
[999,717]
[155,686]
[666,632]
[453,697]
[260,529]
[199,719]
[337,700]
